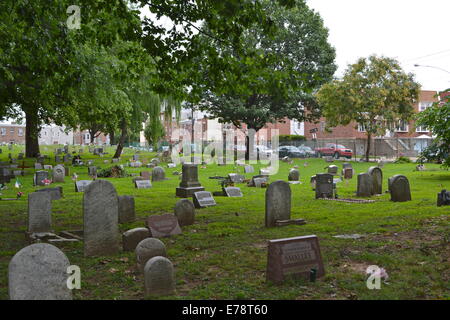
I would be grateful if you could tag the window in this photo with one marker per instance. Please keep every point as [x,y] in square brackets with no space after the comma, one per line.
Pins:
[11,131]
[424,105]
[422,129]
[20,132]
[402,126]
[3,131]
[361,127]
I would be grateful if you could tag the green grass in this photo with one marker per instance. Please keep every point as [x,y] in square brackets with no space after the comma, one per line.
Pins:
[223,255]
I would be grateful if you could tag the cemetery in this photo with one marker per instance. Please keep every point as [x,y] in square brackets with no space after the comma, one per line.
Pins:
[172,238]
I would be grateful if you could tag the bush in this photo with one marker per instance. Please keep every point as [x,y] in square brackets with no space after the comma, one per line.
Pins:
[291,137]
[403,160]
[113,172]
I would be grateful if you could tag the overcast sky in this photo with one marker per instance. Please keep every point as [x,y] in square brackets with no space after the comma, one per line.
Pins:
[413,32]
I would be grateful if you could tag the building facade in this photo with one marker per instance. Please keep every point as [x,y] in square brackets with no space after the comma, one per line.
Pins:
[12,133]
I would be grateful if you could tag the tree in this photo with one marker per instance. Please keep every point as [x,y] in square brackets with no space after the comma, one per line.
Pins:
[275,76]
[374,92]
[437,119]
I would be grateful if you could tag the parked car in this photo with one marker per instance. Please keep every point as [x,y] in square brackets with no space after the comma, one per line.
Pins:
[261,149]
[308,151]
[334,150]
[291,152]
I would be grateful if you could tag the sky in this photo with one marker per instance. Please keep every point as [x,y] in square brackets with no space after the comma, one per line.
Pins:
[412,31]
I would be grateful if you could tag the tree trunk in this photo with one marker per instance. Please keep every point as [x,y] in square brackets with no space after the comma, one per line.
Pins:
[112,137]
[31,133]
[121,142]
[369,138]
[92,136]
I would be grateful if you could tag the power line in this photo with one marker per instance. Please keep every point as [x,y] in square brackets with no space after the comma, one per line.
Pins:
[429,55]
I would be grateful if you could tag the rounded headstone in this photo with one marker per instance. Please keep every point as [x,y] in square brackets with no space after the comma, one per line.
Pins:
[399,188]
[158,174]
[39,272]
[185,212]
[294,175]
[278,202]
[159,277]
[131,238]
[377,179]
[147,249]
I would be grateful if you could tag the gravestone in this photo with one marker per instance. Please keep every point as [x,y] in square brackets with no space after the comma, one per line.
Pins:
[189,181]
[66,158]
[329,159]
[236,178]
[81,185]
[39,176]
[39,212]
[377,179]
[249,169]
[92,170]
[165,225]
[101,217]
[203,199]
[55,193]
[158,174]
[294,257]
[324,186]
[39,272]
[58,173]
[399,188]
[145,175]
[294,175]
[443,198]
[20,156]
[115,160]
[159,277]
[171,165]
[278,203]
[365,185]
[135,157]
[131,238]
[233,192]
[136,164]
[185,212]
[67,171]
[38,166]
[142,184]
[347,173]
[333,170]
[155,161]
[57,159]
[258,180]
[66,149]
[48,167]
[126,209]
[147,249]
[313,182]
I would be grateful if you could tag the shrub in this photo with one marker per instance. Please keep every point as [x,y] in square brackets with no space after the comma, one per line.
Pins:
[113,172]
[403,159]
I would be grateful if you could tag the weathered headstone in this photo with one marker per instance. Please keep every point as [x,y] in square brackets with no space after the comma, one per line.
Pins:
[347,173]
[294,175]
[165,225]
[189,181]
[333,170]
[158,174]
[55,193]
[38,166]
[249,169]
[365,185]
[278,203]
[233,192]
[101,217]
[159,277]
[377,179]
[142,184]
[443,198]
[324,186]
[185,212]
[145,175]
[48,167]
[126,209]
[92,170]
[236,178]
[313,182]
[39,272]
[39,177]
[399,188]
[131,238]
[39,212]
[81,185]
[147,249]
[135,157]
[294,257]
[203,199]
[58,173]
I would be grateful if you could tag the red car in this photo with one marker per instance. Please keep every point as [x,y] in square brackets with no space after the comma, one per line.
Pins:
[334,150]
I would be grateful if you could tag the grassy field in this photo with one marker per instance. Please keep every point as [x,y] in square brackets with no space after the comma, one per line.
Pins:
[223,255]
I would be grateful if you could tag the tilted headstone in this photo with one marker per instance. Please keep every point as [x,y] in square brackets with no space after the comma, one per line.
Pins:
[39,212]
[101,218]
[164,225]
[142,184]
[189,181]
[39,177]
[59,173]
[55,193]
[324,186]
[278,203]
[236,178]
[258,180]
[203,199]
[377,179]
[159,277]
[294,257]
[185,212]
[147,249]
[131,238]
[39,272]
[399,188]
[81,185]
[233,192]
[158,174]
[126,209]
[365,185]
[294,175]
